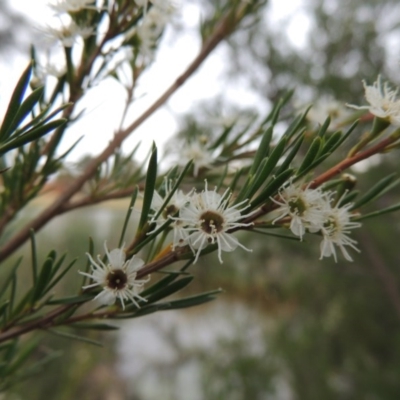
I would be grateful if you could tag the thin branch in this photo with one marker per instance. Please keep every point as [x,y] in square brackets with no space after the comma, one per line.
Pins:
[348,162]
[223,29]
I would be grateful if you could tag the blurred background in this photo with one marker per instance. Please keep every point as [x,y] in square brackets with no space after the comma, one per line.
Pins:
[288,326]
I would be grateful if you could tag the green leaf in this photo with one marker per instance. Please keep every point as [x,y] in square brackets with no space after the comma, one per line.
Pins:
[24,352]
[31,135]
[3,308]
[387,210]
[146,310]
[162,283]
[128,216]
[83,298]
[310,155]
[174,189]
[268,167]
[22,304]
[193,300]
[333,141]
[295,238]
[374,192]
[13,292]
[324,127]
[94,326]
[74,337]
[350,197]
[25,108]
[293,152]
[236,178]
[8,280]
[345,136]
[222,138]
[16,100]
[34,256]
[43,279]
[272,187]
[149,188]
[263,150]
[278,105]
[170,289]
[11,351]
[295,125]
[60,276]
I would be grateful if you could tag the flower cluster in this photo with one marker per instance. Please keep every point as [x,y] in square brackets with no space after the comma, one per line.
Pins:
[154,22]
[311,210]
[325,108]
[383,101]
[117,277]
[66,6]
[204,218]
[68,34]
[162,214]
[197,153]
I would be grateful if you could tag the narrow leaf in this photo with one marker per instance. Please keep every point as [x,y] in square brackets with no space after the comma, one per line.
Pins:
[170,289]
[149,188]
[128,216]
[95,326]
[16,100]
[387,210]
[272,187]
[7,281]
[263,150]
[310,155]
[74,337]
[43,280]
[25,108]
[374,192]
[31,135]
[72,299]
[324,127]
[292,154]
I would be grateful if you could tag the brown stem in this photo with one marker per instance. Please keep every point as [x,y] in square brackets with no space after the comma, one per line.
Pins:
[348,162]
[224,28]
[88,201]
[43,322]
[47,321]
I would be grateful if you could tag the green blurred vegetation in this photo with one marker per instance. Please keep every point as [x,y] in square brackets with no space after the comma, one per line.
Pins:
[333,329]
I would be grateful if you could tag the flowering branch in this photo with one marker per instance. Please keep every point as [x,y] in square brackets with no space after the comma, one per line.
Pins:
[223,29]
[348,162]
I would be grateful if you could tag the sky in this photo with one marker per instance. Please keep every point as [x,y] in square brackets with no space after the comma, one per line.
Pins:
[104,104]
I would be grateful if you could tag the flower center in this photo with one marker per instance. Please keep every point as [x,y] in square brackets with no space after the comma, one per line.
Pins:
[211,222]
[170,210]
[332,226]
[117,279]
[297,206]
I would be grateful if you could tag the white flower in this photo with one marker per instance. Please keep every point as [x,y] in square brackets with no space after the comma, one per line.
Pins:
[117,277]
[201,157]
[335,232]
[383,101]
[55,70]
[68,34]
[175,203]
[305,207]
[152,26]
[325,108]
[73,5]
[207,220]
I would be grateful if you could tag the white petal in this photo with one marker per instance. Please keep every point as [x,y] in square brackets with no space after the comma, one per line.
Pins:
[106,297]
[116,258]
[134,264]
